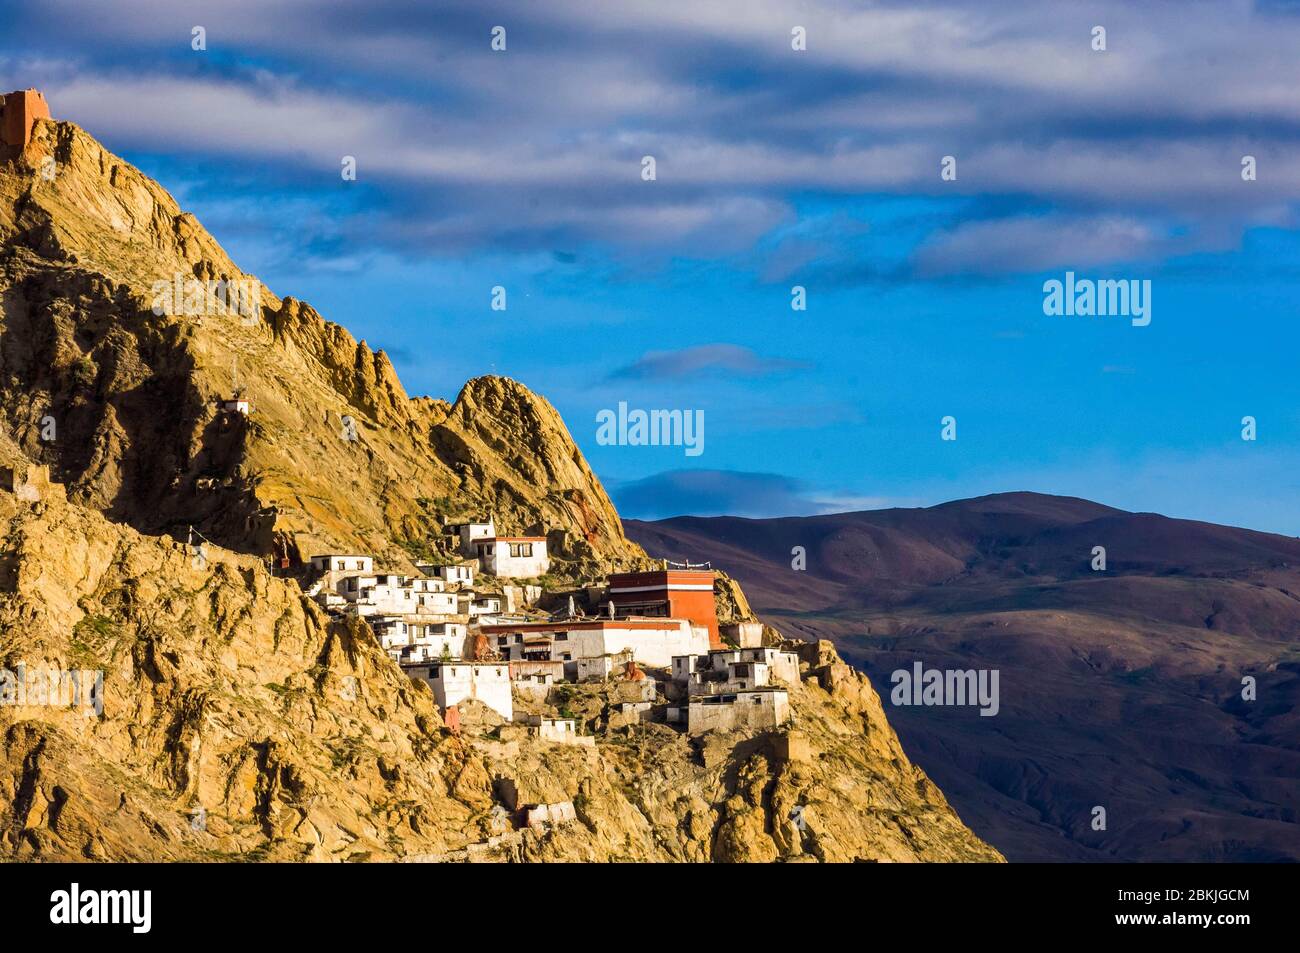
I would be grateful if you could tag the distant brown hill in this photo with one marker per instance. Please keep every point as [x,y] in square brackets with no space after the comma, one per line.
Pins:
[1119,689]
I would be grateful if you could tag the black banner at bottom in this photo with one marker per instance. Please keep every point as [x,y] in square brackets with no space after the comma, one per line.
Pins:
[147,902]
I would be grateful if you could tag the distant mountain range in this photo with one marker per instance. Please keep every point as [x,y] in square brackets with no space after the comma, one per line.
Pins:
[1119,688]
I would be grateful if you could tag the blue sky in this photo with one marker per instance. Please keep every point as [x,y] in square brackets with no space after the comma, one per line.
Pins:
[775,168]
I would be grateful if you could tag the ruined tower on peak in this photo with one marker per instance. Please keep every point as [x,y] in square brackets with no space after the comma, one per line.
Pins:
[19,110]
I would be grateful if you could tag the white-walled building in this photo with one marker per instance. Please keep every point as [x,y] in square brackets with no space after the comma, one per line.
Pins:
[415,639]
[237,404]
[732,670]
[482,605]
[534,680]
[331,600]
[392,595]
[386,596]
[736,677]
[453,635]
[684,666]
[454,682]
[783,665]
[521,646]
[392,634]
[351,585]
[334,569]
[472,532]
[343,563]
[515,557]
[652,642]
[455,574]
[760,710]
[435,602]
[596,669]
[742,634]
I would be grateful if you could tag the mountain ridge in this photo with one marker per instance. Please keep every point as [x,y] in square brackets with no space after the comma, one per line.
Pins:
[334,455]
[1132,674]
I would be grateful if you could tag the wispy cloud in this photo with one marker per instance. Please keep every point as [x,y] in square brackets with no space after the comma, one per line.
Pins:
[705,358]
[1017,245]
[731,493]
[1134,151]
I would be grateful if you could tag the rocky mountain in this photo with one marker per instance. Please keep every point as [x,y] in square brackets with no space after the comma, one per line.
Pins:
[1120,688]
[122,401]
[218,713]
[239,721]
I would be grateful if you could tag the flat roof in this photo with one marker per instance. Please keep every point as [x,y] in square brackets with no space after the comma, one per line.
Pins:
[460,663]
[585,624]
[719,696]
[666,574]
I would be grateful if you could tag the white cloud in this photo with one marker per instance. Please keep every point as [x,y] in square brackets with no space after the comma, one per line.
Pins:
[1149,133]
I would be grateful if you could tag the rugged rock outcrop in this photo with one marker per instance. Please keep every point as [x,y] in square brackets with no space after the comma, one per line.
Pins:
[122,402]
[239,721]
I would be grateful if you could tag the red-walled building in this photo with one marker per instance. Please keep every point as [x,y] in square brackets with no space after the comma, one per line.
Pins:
[18,111]
[670,593]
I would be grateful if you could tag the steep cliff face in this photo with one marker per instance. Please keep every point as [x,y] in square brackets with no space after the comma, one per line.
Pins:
[334,455]
[238,721]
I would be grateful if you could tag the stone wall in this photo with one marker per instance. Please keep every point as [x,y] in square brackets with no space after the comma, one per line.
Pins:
[754,710]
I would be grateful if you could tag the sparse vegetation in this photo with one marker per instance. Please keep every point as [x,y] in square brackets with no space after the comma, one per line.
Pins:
[90,637]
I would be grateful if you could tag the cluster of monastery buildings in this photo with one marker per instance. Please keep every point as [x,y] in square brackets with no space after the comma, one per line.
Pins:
[654,633]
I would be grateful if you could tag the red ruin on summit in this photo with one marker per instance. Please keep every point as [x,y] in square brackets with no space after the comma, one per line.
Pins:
[19,111]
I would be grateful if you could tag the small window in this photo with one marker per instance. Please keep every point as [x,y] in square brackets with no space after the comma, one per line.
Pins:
[561,636]
[526,549]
